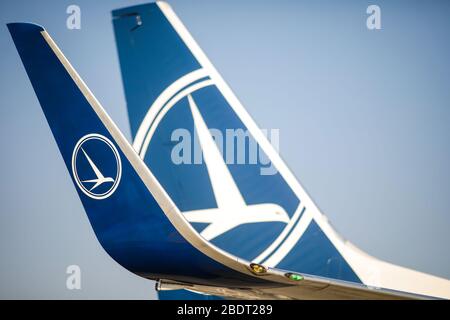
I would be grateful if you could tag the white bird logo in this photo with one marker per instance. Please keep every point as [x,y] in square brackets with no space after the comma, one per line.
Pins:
[231,210]
[100,177]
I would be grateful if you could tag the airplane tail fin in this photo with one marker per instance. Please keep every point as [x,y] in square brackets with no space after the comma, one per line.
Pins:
[194,134]
[139,210]
[236,199]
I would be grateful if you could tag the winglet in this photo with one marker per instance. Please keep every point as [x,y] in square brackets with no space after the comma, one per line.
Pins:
[133,218]
[17,28]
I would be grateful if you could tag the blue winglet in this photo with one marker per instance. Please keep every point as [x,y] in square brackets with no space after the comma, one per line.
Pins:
[108,175]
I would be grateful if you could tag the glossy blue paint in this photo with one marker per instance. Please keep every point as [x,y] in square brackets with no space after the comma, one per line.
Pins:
[129,224]
[159,58]
[153,56]
[315,254]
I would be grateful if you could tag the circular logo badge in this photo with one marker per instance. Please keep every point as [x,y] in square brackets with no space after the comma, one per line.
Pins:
[96,166]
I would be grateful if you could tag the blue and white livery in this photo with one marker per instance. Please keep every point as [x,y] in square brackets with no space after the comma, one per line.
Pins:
[213,227]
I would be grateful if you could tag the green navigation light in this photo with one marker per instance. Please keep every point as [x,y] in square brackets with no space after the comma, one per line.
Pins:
[294,276]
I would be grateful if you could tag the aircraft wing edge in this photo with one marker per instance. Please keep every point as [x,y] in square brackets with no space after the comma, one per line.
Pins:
[286,289]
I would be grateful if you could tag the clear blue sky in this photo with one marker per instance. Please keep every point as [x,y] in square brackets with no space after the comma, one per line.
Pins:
[363,117]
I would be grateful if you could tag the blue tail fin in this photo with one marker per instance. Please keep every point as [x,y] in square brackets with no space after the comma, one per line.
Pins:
[195,135]
[141,219]
[231,194]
